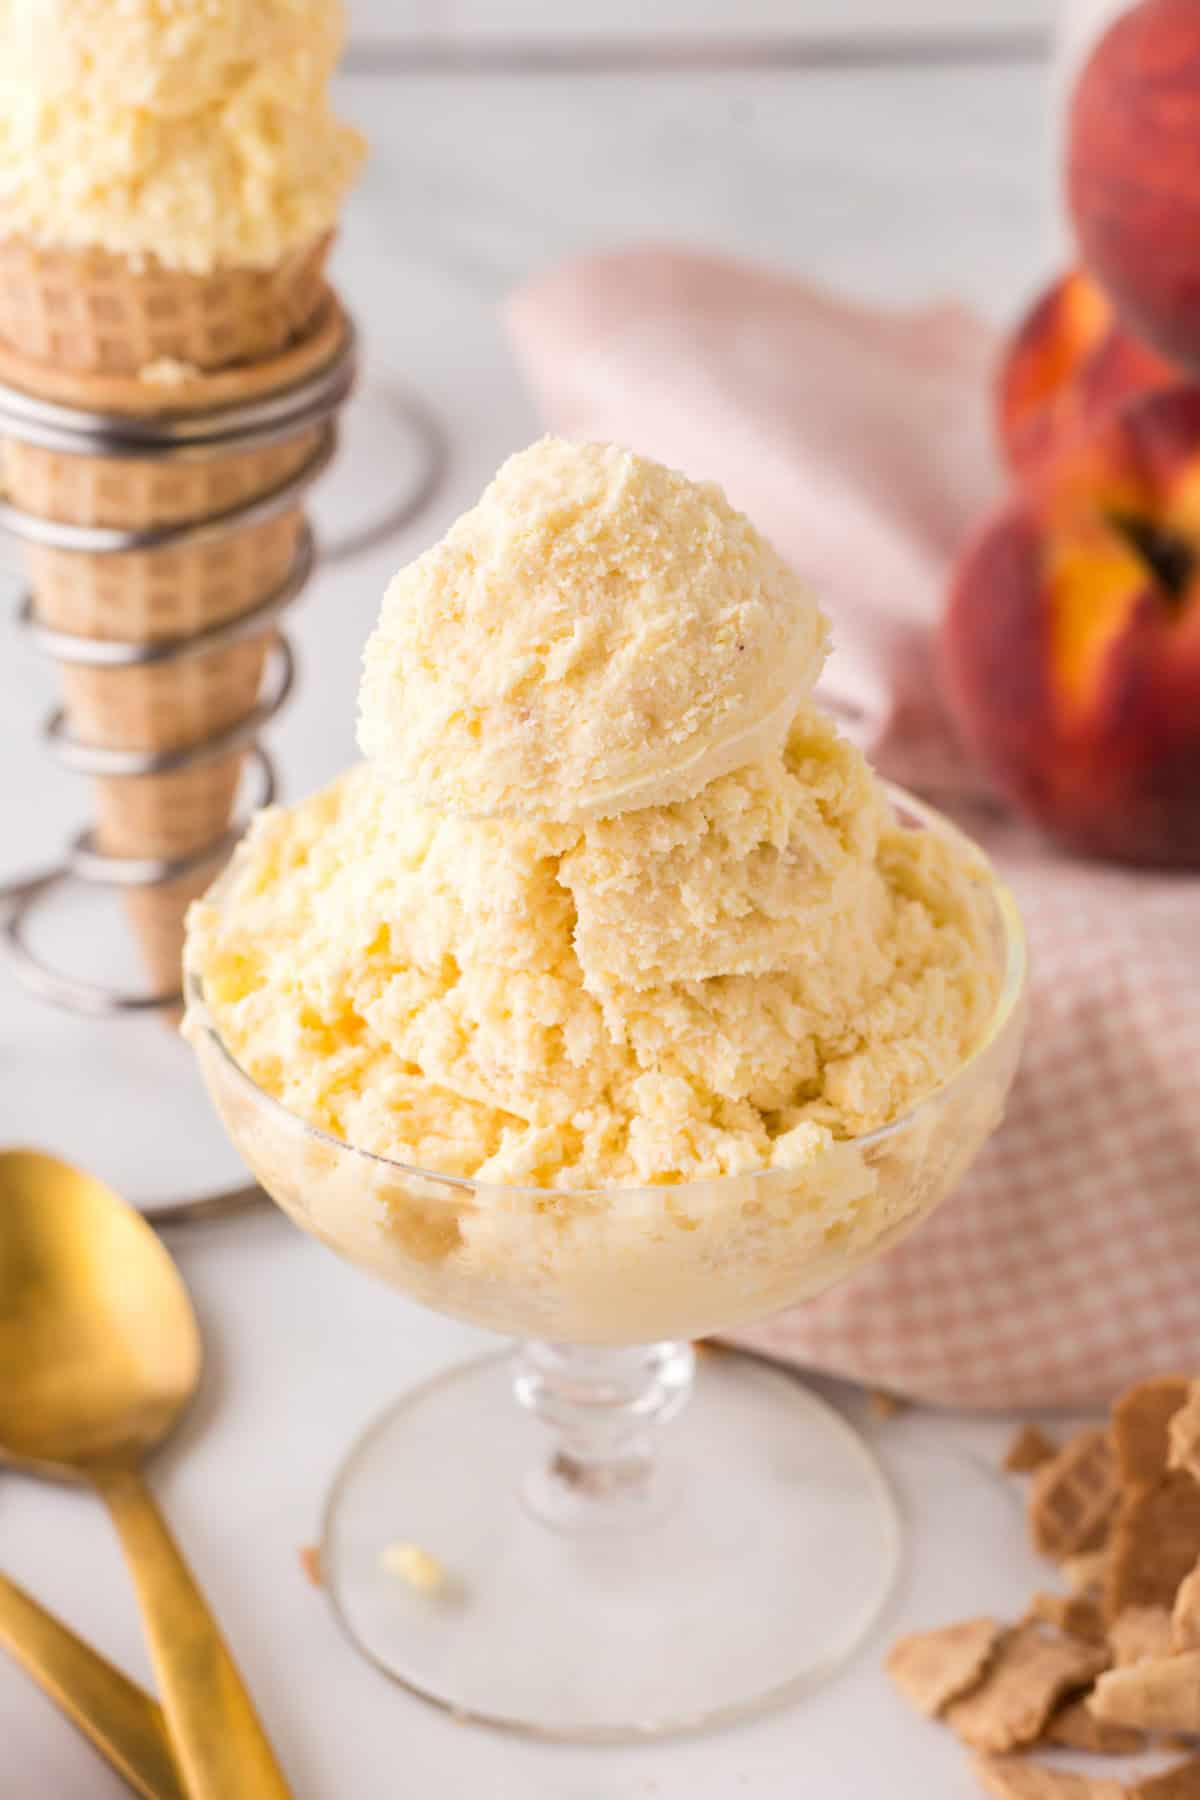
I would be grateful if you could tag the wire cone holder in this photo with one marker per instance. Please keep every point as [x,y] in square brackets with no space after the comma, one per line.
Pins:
[164,537]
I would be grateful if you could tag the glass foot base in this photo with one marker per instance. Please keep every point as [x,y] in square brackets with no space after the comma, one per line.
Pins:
[763,1556]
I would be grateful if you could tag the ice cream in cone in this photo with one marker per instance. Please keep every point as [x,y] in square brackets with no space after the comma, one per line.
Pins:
[170,176]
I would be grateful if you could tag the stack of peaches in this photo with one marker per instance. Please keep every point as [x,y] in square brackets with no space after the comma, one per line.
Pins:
[1071,644]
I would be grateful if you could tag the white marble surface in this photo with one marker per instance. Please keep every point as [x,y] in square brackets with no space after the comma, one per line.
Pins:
[598,21]
[898,186]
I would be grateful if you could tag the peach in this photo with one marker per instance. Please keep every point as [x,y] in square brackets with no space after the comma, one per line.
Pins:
[1133,172]
[1066,366]
[1070,647]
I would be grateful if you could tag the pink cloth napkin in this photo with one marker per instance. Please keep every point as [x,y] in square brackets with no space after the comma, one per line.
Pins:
[1069,1262]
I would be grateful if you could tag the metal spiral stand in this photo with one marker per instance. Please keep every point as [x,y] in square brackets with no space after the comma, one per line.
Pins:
[272,419]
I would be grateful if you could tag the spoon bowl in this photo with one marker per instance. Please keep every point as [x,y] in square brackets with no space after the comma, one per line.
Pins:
[99,1351]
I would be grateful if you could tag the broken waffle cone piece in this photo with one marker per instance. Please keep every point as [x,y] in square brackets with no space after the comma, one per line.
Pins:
[1084,1574]
[1028,1449]
[1139,1632]
[1155,1544]
[1030,1672]
[1179,1783]
[310,1562]
[1183,1434]
[932,1668]
[1159,1694]
[1073,1727]
[1072,1497]
[883,1405]
[1141,1420]
[1185,1614]
[1016,1778]
[97,312]
[1075,1615]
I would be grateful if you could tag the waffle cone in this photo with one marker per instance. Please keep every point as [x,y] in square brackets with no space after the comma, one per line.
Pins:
[151,596]
[156,916]
[129,491]
[169,816]
[90,311]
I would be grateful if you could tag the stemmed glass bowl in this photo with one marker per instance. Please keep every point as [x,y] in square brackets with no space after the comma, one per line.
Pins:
[648,1541]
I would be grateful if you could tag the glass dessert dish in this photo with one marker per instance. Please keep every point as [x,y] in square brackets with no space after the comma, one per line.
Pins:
[647,1542]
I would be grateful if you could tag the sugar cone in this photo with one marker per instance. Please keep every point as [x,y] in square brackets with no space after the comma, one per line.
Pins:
[148,596]
[156,916]
[164,706]
[89,311]
[105,490]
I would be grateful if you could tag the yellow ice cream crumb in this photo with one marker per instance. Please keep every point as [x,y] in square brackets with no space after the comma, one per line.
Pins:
[417,1567]
[197,131]
[599,633]
[697,989]
[168,371]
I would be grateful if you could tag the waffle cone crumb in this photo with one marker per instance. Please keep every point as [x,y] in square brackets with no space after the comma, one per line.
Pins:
[883,1405]
[1139,1632]
[1073,1496]
[310,1562]
[1075,1727]
[1013,1778]
[1183,1446]
[1140,1424]
[1076,1615]
[1158,1694]
[1028,1449]
[1180,1783]
[1185,1614]
[1084,1574]
[1029,1673]
[932,1668]
[1155,1544]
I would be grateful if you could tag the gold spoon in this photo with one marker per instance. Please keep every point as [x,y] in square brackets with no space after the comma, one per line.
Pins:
[119,1717]
[99,1355]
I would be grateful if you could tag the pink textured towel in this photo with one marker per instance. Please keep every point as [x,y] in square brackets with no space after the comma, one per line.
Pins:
[1069,1262]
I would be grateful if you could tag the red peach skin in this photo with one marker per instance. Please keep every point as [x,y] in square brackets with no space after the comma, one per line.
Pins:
[1065,368]
[1071,643]
[1133,172]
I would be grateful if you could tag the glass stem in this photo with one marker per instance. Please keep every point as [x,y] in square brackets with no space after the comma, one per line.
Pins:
[602,1407]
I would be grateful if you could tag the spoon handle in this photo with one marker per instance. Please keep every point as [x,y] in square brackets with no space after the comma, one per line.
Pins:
[120,1718]
[220,1747]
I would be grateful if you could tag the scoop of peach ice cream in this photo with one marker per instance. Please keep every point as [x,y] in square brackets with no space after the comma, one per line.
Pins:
[611,904]
[197,131]
[613,929]
[700,988]
[598,634]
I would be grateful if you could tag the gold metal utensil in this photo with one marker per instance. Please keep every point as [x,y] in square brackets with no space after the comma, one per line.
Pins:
[99,1355]
[119,1717]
